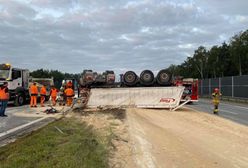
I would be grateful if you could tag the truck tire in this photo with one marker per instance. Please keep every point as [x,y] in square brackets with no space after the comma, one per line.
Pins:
[19,100]
[147,78]
[130,78]
[164,78]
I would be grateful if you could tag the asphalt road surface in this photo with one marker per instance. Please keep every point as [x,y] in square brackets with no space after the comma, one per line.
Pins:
[21,115]
[234,111]
[14,120]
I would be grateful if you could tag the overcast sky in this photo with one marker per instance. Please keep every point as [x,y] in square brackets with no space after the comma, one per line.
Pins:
[72,35]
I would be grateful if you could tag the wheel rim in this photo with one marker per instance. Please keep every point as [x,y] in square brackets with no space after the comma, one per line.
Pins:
[163,76]
[147,77]
[130,78]
[20,100]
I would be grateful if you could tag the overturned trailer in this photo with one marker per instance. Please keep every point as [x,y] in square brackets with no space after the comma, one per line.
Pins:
[143,91]
[139,97]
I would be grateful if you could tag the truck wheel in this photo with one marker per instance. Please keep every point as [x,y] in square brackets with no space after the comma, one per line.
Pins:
[164,78]
[20,100]
[130,78]
[146,78]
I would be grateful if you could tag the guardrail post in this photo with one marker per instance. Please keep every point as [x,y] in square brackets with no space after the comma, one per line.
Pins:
[220,84]
[232,87]
[209,86]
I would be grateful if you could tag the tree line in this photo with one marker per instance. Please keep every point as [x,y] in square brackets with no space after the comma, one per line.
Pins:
[228,59]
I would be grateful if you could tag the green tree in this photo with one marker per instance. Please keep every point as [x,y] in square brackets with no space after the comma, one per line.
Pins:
[57,77]
[214,61]
[225,61]
[199,62]
[41,73]
[173,69]
[239,52]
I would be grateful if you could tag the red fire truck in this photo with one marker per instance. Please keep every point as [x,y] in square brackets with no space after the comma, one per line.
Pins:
[191,89]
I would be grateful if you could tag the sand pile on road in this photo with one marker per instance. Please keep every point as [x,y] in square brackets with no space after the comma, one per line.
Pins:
[111,123]
[161,138]
[186,138]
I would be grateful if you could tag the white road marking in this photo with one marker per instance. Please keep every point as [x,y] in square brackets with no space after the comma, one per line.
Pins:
[22,126]
[221,103]
[226,111]
[236,106]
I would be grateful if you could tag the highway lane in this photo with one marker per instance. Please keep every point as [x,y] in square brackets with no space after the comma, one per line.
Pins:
[233,111]
[14,120]
[21,115]
[23,120]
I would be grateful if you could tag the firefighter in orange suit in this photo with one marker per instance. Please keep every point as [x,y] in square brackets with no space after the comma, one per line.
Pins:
[216,100]
[33,90]
[53,94]
[69,96]
[42,95]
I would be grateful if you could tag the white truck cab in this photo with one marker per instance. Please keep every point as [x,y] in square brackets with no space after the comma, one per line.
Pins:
[17,82]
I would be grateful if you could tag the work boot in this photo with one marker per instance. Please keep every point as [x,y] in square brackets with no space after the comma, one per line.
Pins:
[4,115]
[216,111]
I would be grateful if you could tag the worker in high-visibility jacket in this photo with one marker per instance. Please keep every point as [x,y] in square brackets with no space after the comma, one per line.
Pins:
[42,95]
[216,100]
[69,92]
[53,94]
[4,97]
[33,90]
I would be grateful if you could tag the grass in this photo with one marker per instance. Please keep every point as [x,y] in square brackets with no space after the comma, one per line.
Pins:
[77,146]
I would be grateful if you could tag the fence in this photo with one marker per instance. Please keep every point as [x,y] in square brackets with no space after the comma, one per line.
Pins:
[234,86]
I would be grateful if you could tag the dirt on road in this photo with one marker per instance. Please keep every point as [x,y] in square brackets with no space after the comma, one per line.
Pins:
[155,138]
[186,139]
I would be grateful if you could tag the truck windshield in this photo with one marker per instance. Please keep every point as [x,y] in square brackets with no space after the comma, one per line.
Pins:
[4,74]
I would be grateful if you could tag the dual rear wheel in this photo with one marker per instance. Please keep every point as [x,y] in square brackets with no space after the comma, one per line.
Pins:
[147,78]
